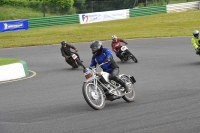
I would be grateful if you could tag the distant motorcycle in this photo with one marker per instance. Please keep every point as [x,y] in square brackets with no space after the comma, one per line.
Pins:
[126,55]
[75,62]
[98,88]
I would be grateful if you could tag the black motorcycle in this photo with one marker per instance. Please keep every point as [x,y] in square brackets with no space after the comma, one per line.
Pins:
[125,54]
[74,61]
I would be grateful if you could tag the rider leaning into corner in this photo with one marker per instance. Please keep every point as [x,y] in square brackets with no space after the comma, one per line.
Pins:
[101,55]
[116,45]
[196,41]
[66,52]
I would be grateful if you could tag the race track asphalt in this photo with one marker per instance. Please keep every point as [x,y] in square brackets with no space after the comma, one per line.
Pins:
[167,92]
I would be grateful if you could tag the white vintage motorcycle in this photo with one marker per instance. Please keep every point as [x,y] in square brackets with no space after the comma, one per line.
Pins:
[98,88]
[126,55]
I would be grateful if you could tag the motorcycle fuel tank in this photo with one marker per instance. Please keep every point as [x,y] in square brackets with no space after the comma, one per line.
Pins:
[105,76]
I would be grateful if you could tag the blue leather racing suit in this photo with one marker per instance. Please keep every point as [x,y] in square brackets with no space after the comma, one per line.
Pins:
[104,54]
[111,67]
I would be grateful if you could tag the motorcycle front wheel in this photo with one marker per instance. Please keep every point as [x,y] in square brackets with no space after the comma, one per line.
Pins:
[134,58]
[129,97]
[94,97]
[80,64]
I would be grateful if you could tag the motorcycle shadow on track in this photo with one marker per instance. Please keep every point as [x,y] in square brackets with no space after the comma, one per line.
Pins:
[188,64]
[46,113]
[125,62]
[194,63]
[72,69]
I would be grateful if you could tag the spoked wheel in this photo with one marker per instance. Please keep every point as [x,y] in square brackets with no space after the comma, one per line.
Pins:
[129,97]
[80,64]
[134,58]
[94,97]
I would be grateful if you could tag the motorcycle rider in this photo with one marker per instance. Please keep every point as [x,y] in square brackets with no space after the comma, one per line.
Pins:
[66,52]
[195,41]
[116,46]
[101,55]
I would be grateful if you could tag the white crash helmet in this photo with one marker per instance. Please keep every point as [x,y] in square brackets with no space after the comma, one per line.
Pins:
[114,37]
[196,33]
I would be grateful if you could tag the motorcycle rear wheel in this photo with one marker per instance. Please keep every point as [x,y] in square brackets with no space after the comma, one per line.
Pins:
[129,97]
[95,98]
[72,63]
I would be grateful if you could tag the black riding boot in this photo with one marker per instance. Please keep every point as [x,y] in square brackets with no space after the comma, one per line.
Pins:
[118,80]
[114,76]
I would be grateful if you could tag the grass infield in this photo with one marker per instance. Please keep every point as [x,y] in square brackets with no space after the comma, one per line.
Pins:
[5,61]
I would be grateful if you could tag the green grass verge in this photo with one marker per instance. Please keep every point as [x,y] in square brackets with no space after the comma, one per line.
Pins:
[160,25]
[5,61]
[10,13]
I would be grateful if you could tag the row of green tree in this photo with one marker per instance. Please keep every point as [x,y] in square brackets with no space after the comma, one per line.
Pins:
[51,6]
[61,7]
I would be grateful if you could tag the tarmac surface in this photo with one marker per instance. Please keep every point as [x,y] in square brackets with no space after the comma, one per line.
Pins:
[51,101]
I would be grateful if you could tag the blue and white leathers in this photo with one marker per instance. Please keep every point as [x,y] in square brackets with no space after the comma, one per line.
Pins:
[100,58]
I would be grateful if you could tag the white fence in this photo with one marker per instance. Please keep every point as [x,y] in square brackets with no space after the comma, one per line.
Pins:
[103,16]
[183,7]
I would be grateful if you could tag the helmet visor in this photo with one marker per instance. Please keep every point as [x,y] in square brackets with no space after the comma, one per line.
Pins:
[196,35]
[114,39]
[94,50]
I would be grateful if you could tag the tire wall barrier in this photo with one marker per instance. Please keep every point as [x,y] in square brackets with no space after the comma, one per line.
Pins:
[145,11]
[53,21]
[13,71]
[183,7]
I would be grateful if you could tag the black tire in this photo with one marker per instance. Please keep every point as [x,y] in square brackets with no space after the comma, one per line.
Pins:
[80,63]
[124,57]
[95,99]
[134,58]
[121,59]
[129,97]
[72,63]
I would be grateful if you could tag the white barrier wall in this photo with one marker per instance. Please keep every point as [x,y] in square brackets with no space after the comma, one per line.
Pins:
[103,16]
[183,7]
[12,71]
